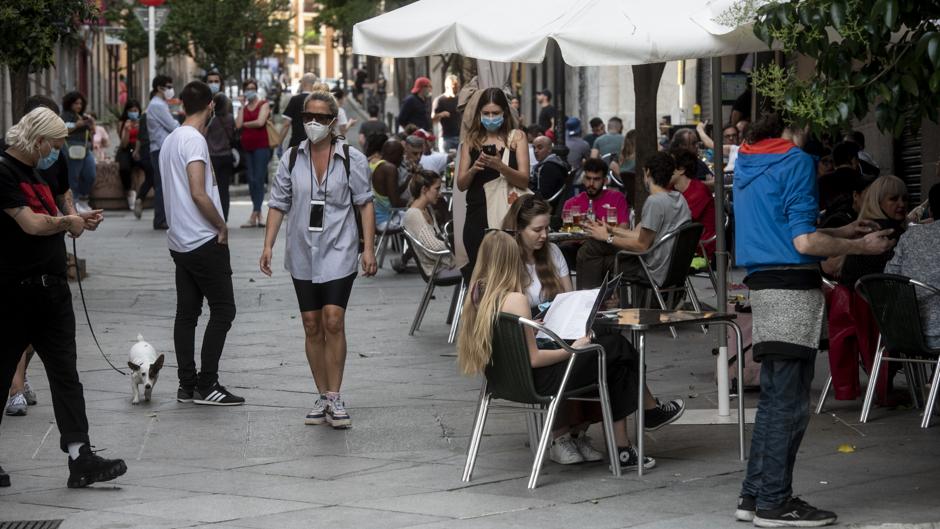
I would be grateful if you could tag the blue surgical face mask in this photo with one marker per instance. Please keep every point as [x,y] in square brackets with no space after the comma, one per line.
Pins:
[491,123]
[133,116]
[251,94]
[47,161]
[215,87]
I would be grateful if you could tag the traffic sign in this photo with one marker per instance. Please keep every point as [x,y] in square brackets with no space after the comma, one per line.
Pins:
[160,14]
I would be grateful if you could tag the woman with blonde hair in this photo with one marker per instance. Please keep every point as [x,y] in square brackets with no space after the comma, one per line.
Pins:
[852,330]
[317,186]
[37,302]
[498,285]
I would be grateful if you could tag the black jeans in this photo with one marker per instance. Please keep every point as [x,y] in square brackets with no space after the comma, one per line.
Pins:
[224,168]
[205,272]
[43,316]
[596,258]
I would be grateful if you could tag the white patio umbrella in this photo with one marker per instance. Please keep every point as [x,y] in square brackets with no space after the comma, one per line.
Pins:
[588,33]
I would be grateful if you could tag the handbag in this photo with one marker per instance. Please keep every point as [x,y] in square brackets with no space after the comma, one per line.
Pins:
[274,135]
[500,194]
[78,152]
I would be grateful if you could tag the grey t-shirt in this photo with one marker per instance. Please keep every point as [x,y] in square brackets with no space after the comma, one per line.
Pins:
[915,256]
[609,144]
[578,150]
[663,213]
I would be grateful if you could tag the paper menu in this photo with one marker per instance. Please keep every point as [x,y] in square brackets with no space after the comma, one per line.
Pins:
[568,315]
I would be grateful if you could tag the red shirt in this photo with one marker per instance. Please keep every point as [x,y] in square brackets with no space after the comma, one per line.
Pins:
[607,197]
[702,206]
[254,138]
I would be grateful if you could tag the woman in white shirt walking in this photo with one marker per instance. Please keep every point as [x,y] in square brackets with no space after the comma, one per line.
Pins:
[317,185]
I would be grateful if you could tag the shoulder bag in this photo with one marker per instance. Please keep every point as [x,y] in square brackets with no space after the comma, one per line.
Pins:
[500,194]
[78,152]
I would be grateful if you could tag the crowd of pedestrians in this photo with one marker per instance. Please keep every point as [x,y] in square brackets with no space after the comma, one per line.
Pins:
[796,218]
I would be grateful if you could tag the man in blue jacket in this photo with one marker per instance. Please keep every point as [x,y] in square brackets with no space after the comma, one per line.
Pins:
[776,203]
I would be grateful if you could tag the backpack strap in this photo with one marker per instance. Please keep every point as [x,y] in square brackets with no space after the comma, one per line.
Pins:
[292,160]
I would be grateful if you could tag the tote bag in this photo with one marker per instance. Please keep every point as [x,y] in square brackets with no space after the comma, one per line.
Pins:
[78,152]
[500,194]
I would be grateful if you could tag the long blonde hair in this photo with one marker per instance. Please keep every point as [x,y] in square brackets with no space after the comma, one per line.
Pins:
[499,271]
[883,186]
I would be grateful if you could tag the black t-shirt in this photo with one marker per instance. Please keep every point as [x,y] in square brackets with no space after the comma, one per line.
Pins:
[56,176]
[743,105]
[414,110]
[545,117]
[294,107]
[371,128]
[26,255]
[450,126]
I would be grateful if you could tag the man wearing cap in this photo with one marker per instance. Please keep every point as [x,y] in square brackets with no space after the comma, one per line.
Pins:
[578,149]
[547,112]
[429,160]
[414,109]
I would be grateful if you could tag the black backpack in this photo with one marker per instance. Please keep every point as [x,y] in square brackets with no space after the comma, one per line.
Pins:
[292,160]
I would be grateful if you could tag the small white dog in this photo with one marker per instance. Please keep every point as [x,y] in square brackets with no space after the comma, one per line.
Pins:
[145,368]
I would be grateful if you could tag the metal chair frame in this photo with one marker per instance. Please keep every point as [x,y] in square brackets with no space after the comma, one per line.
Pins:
[549,412]
[916,377]
[387,235]
[658,291]
[456,304]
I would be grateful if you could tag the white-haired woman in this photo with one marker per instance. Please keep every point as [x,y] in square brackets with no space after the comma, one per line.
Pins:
[318,184]
[37,304]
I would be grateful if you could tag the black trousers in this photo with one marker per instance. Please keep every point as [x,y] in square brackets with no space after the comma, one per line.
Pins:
[204,273]
[224,168]
[595,258]
[622,381]
[43,316]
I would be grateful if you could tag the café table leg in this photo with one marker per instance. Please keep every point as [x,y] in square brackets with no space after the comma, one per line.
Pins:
[741,419]
[640,341]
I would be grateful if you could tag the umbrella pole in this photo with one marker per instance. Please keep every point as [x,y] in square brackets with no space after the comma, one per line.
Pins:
[721,251]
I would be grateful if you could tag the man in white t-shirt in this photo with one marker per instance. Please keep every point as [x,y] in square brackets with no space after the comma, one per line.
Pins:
[198,241]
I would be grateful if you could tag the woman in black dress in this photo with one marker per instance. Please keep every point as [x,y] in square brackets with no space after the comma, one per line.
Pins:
[481,160]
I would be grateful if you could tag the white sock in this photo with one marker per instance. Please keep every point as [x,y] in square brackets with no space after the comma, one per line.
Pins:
[74,448]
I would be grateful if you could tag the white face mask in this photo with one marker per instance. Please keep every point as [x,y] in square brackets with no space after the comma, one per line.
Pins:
[317,131]
[168,92]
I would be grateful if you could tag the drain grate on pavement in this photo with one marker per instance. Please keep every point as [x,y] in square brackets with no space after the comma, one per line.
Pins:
[32,524]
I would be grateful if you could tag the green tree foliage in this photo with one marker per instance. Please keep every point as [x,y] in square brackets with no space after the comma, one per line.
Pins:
[342,15]
[869,54]
[33,27]
[223,33]
[132,33]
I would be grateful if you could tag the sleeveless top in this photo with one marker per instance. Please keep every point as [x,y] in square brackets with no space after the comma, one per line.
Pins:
[382,204]
[254,138]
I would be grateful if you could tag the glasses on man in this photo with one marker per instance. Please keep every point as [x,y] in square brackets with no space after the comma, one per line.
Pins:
[730,137]
[323,119]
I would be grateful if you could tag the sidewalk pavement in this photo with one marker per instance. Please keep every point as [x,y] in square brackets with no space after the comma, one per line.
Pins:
[258,466]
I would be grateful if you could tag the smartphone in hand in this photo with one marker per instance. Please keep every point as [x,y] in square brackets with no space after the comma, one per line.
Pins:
[489,150]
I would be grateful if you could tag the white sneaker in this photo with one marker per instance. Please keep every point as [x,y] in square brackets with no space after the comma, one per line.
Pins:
[336,414]
[564,451]
[81,206]
[587,451]
[131,198]
[29,393]
[16,405]
[317,415]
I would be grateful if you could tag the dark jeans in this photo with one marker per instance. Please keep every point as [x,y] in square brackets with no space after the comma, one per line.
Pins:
[43,317]
[147,165]
[159,214]
[205,272]
[224,168]
[596,258]
[256,165]
[782,417]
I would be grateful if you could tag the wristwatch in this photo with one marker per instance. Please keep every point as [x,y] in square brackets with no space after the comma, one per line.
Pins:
[610,238]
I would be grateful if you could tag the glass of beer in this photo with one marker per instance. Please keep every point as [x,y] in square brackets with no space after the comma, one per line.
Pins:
[566,221]
[576,218]
[611,216]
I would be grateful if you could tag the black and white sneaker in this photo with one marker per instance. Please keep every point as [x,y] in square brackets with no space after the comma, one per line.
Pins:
[336,414]
[629,460]
[794,513]
[217,395]
[746,507]
[184,394]
[4,478]
[663,414]
[91,468]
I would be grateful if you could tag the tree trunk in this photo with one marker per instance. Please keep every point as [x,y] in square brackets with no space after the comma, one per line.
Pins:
[19,92]
[646,79]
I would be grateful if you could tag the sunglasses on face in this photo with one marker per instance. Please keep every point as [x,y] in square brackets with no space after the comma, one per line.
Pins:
[323,119]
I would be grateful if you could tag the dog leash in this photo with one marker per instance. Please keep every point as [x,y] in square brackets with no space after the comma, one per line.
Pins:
[81,291]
